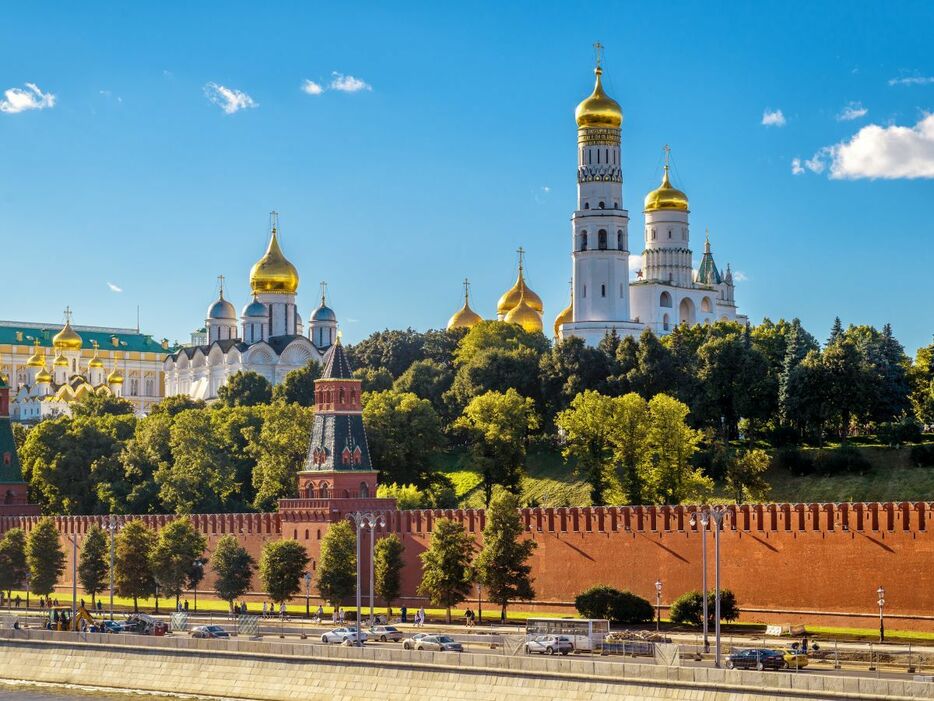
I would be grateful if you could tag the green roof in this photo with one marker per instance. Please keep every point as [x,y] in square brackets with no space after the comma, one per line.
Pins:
[9,473]
[25,334]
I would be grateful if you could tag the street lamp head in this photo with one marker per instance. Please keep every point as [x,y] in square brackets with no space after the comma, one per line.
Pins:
[658,585]
[880,591]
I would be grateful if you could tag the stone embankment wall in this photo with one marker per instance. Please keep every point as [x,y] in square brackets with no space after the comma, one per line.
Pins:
[787,563]
[273,671]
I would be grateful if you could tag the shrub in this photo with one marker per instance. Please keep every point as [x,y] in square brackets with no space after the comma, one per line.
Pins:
[688,608]
[615,605]
[923,455]
[897,433]
[794,460]
[845,459]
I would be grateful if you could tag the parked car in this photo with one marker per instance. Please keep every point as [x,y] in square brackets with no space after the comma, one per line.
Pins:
[795,657]
[339,635]
[757,658]
[384,633]
[410,643]
[209,632]
[439,643]
[144,625]
[549,645]
[110,627]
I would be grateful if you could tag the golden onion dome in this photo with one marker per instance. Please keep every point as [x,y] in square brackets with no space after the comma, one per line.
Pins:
[37,359]
[273,273]
[511,297]
[60,361]
[524,315]
[599,110]
[115,378]
[67,338]
[43,376]
[95,362]
[666,197]
[565,317]
[465,317]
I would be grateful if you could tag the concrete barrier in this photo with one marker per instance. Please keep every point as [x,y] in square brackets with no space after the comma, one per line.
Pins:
[276,670]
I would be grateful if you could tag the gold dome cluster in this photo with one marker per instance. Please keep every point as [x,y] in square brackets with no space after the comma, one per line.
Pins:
[599,109]
[273,273]
[519,304]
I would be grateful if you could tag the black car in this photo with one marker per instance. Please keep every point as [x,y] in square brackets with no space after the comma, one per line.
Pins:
[756,658]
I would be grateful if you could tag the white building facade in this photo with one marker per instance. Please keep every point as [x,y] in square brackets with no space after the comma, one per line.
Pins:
[668,290]
[268,338]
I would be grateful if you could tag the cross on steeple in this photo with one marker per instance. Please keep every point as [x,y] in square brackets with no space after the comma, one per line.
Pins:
[274,220]
[68,315]
[466,290]
[521,252]
[324,291]
[220,285]
[667,155]
[598,51]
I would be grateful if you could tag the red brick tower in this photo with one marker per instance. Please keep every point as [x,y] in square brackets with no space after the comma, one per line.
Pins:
[13,493]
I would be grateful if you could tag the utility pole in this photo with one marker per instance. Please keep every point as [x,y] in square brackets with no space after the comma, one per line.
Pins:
[112,527]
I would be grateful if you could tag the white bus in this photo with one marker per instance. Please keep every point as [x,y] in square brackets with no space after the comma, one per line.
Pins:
[585,633]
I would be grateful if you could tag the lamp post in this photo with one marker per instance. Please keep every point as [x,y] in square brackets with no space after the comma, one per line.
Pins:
[716,514]
[479,604]
[112,527]
[658,604]
[74,577]
[364,519]
[307,594]
[374,521]
[881,592]
[198,564]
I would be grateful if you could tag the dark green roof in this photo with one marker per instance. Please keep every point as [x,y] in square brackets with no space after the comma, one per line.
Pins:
[9,473]
[25,334]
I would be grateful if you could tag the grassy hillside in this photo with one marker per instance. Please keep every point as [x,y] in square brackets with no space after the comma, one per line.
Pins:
[550,482]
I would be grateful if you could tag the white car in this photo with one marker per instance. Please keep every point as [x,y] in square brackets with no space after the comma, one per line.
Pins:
[410,643]
[339,635]
[549,645]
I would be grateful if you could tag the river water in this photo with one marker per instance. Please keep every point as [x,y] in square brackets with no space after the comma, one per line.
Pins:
[33,692]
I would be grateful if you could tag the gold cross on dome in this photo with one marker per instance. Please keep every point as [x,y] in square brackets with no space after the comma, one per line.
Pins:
[67,315]
[667,155]
[466,289]
[274,219]
[598,51]
[521,252]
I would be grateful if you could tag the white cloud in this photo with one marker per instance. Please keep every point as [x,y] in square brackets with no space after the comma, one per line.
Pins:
[913,80]
[773,118]
[740,276]
[312,88]
[796,167]
[228,99]
[348,83]
[32,98]
[545,188]
[635,265]
[114,288]
[853,110]
[875,151]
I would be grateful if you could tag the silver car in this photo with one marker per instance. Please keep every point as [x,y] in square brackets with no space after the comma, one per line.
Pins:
[439,643]
[339,635]
[549,645]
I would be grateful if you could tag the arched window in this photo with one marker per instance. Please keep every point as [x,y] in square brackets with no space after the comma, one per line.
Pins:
[665,323]
[583,240]
[669,233]
[601,239]
[602,205]
[586,205]
[353,396]
[665,300]
[319,534]
[706,305]
[619,239]
[603,290]
[306,534]
[7,458]
[364,490]
[653,234]
[323,490]
[621,290]
[585,291]
[341,395]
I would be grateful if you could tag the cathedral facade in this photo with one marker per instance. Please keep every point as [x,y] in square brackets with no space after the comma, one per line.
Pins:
[268,337]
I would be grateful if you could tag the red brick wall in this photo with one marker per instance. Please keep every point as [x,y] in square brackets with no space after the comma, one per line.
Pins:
[812,563]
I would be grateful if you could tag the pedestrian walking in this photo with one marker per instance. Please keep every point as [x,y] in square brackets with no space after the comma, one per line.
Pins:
[186,605]
[264,609]
[340,615]
[804,645]
[282,610]
[421,617]
[319,616]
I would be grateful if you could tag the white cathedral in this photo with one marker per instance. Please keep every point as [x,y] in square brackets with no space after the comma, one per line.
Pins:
[268,338]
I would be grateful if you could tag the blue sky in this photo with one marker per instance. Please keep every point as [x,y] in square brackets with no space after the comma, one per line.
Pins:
[460,147]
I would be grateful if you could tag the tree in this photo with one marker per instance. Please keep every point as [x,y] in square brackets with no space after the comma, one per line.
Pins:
[45,557]
[371,380]
[655,371]
[497,425]
[93,565]
[392,351]
[238,430]
[279,448]
[132,569]
[496,369]
[200,477]
[337,566]
[403,432]
[387,567]
[689,608]
[175,404]
[428,379]
[613,605]
[569,368]
[134,490]
[233,569]
[245,388]
[745,474]
[407,496]
[502,565]
[493,335]
[588,428]
[281,568]
[298,386]
[446,571]
[632,421]
[13,565]
[101,405]
[671,478]
[178,546]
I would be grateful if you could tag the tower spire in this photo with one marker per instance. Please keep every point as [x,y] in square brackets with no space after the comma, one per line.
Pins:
[466,291]
[274,221]
[521,252]
[220,285]
[68,315]
[598,55]
[324,291]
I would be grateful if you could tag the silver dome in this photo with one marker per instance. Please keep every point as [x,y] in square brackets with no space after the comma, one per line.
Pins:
[222,309]
[323,313]
[255,309]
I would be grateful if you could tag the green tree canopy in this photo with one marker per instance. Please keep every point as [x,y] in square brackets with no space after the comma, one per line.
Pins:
[133,575]
[427,379]
[173,557]
[670,476]
[497,425]
[337,566]
[570,368]
[298,386]
[101,405]
[245,388]
[13,565]
[279,448]
[446,570]
[403,432]
[233,569]
[502,565]
[689,607]
[281,568]
[45,557]
[745,475]
[588,428]
[94,564]
[175,404]
[379,380]
[387,564]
